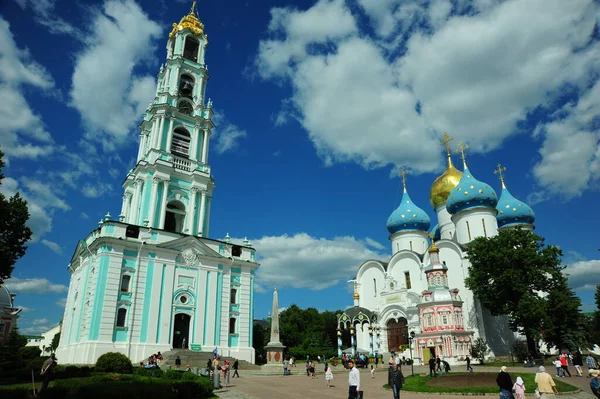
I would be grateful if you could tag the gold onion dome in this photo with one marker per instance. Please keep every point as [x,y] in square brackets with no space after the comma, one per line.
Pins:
[356,296]
[444,184]
[190,22]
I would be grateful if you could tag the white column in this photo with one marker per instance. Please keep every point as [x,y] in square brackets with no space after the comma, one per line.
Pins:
[190,211]
[201,215]
[194,143]
[161,131]
[208,201]
[141,148]
[163,204]
[205,147]
[153,201]
[170,134]
[126,199]
[136,202]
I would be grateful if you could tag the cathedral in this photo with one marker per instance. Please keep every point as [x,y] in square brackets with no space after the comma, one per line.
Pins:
[152,280]
[416,303]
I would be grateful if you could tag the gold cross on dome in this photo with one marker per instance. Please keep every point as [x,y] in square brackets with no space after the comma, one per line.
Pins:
[462,147]
[431,235]
[193,8]
[402,174]
[500,173]
[446,138]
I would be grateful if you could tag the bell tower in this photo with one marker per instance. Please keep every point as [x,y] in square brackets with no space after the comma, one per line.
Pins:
[171,186]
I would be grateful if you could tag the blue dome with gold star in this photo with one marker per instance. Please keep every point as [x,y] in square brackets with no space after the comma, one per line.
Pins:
[470,193]
[513,212]
[408,216]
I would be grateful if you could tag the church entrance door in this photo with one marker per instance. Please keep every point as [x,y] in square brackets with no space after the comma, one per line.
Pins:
[397,332]
[181,331]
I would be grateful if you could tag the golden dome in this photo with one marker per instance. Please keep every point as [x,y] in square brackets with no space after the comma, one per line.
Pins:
[444,184]
[190,22]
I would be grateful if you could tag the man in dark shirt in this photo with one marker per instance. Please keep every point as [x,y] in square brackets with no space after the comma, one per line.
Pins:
[505,383]
[395,380]
[469,368]
[48,371]
[432,372]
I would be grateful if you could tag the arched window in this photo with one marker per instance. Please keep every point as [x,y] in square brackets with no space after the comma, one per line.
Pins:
[190,50]
[125,283]
[374,287]
[233,296]
[186,86]
[174,217]
[232,325]
[121,317]
[180,144]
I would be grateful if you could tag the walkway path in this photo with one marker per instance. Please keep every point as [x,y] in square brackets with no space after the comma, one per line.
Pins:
[252,386]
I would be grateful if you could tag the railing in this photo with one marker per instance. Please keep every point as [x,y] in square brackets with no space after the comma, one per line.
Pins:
[182,163]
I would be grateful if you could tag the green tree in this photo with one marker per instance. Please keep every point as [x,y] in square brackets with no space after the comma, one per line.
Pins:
[14,233]
[55,342]
[564,327]
[594,320]
[10,353]
[480,349]
[508,274]
[260,338]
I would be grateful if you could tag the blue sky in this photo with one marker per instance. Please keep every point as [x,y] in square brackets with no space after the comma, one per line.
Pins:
[319,103]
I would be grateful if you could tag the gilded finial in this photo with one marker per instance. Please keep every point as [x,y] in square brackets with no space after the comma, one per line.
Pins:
[193,9]
[446,139]
[402,174]
[462,147]
[431,235]
[500,173]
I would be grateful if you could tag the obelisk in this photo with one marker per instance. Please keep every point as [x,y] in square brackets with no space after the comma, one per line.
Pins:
[275,348]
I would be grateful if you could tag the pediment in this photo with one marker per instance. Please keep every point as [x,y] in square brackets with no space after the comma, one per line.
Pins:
[190,248]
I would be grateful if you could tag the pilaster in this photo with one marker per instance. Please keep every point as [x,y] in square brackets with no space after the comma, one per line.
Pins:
[163,204]
[153,200]
[200,229]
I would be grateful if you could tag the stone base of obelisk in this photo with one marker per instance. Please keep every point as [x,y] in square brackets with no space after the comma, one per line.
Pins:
[274,358]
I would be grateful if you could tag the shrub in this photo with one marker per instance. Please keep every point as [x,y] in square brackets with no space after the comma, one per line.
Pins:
[30,352]
[114,362]
[188,389]
[156,373]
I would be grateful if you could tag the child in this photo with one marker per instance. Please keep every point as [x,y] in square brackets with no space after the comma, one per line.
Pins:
[372,372]
[519,388]
[559,371]
[328,376]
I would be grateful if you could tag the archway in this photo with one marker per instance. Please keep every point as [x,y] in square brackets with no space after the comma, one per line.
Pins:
[174,217]
[397,333]
[181,331]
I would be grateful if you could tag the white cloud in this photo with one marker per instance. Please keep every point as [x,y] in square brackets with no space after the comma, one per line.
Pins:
[37,322]
[84,216]
[22,131]
[54,247]
[44,14]
[372,243]
[62,302]
[33,286]
[584,275]
[302,261]
[95,190]
[226,135]
[32,330]
[573,142]
[477,76]
[25,309]
[121,38]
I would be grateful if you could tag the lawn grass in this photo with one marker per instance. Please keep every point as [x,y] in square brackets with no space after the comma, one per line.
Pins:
[419,384]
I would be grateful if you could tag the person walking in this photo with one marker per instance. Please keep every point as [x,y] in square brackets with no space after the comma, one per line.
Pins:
[545,384]
[286,365]
[469,368]
[594,383]
[236,366]
[328,375]
[590,362]
[48,371]
[578,363]
[438,364]
[177,362]
[353,380]
[564,364]
[559,370]
[505,383]
[519,388]
[432,372]
[395,380]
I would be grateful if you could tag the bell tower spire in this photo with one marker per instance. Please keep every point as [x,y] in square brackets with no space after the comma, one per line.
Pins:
[171,185]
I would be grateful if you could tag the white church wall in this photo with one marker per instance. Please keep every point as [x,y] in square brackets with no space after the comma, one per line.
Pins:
[403,263]
[446,226]
[371,282]
[473,223]
[411,240]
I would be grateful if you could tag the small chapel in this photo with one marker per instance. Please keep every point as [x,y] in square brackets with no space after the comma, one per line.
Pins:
[152,279]
[416,304]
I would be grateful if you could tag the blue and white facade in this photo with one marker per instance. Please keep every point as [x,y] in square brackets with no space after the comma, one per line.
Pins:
[152,280]
[409,294]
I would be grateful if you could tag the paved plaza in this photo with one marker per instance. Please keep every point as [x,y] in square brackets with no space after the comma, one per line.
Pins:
[255,386]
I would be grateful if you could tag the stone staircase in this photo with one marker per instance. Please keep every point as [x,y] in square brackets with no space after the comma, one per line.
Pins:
[199,359]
